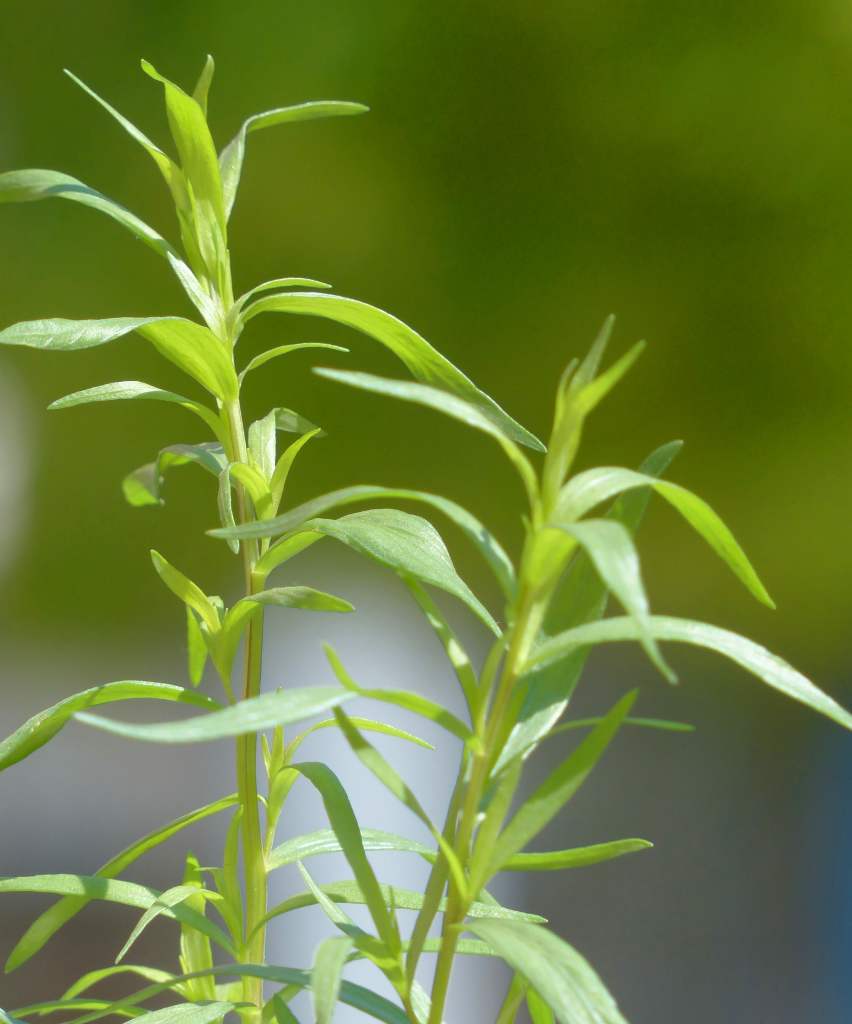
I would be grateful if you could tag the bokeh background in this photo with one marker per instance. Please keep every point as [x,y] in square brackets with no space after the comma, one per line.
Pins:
[527,168]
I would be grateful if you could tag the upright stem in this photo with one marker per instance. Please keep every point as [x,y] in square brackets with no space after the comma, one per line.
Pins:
[254,863]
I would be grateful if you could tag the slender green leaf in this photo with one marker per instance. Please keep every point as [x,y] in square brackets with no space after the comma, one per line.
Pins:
[93,977]
[133,390]
[196,648]
[406,699]
[105,1006]
[285,350]
[349,892]
[342,819]
[232,156]
[195,349]
[111,890]
[187,1013]
[449,404]
[252,715]
[42,727]
[394,783]
[425,363]
[407,544]
[48,924]
[325,841]
[326,975]
[751,656]
[201,91]
[588,489]
[283,1013]
[30,185]
[550,797]
[556,971]
[194,144]
[144,486]
[580,597]
[612,552]
[540,1012]
[187,591]
[170,898]
[196,953]
[579,857]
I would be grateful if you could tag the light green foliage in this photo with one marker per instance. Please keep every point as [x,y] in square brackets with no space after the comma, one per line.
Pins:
[554,595]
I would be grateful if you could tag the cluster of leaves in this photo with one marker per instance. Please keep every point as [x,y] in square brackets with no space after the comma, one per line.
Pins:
[555,597]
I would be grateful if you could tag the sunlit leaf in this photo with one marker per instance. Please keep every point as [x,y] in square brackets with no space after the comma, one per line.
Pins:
[284,350]
[170,898]
[201,91]
[48,924]
[252,715]
[557,972]
[425,363]
[407,544]
[326,975]
[613,554]
[93,977]
[325,841]
[545,802]
[42,727]
[144,485]
[190,593]
[232,156]
[588,489]
[579,857]
[30,185]
[751,656]
[484,541]
[111,890]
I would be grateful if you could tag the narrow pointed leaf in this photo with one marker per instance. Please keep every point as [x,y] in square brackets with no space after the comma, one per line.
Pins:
[30,185]
[556,971]
[201,91]
[42,727]
[111,890]
[144,486]
[187,1013]
[284,350]
[170,898]
[325,841]
[252,715]
[93,977]
[407,544]
[774,671]
[542,806]
[485,542]
[48,924]
[613,554]
[588,489]
[232,156]
[326,975]
[579,857]
[190,593]
[426,364]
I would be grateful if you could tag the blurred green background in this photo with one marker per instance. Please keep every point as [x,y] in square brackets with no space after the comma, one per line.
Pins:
[527,168]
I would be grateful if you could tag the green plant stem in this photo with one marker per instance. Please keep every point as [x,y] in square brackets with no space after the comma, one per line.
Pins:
[254,862]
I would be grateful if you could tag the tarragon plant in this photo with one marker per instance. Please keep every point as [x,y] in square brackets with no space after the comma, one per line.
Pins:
[554,597]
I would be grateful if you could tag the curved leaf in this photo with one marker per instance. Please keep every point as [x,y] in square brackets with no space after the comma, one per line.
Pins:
[42,727]
[144,485]
[48,924]
[588,489]
[170,898]
[30,185]
[192,347]
[613,554]
[425,363]
[443,401]
[284,350]
[252,715]
[578,857]
[93,977]
[111,890]
[325,841]
[232,156]
[185,590]
[557,972]
[326,974]
[187,1013]
[755,659]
